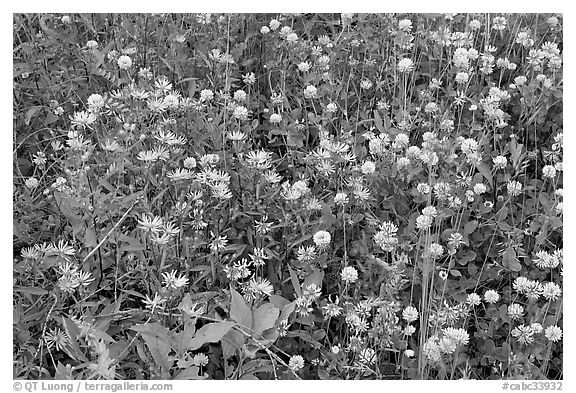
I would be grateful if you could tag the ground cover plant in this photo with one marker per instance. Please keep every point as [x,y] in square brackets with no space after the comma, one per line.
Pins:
[287,196]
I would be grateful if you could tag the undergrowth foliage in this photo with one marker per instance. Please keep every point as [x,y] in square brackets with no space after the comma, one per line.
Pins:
[333,196]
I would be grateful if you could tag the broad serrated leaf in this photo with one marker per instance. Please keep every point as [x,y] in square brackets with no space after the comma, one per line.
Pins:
[210,333]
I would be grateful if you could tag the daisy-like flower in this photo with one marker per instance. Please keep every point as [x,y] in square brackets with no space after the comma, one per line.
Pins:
[553,333]
[349,274]
[491,296]
[455,240]
[306,254]
[261,286]
[179,174]
[296,363]
[322,239]
[499,23]
[148,156]
[410,314]
[156,303]
[405,65]
[83,119]
[332,310]
[259,159]
[149,223]
[56,338]
[218,244]
[172,281]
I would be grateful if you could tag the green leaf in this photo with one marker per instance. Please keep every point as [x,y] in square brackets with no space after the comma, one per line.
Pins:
[239,310]
[210,333]
[510,261]
[486,172]
[264,317]
[158,342]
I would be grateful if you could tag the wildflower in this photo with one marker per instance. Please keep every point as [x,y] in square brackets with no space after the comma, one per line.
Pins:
[349,274]
[83,119]
[462,77]
[410,314]
[124,62]
[259,159]
[240,112]
[491,296]
[206,95]
[409,330]
[240,95]
[150,224]
[173,282]
[56,338]
[435,250]
[91,44]
[155,303]
[409,353]
[405,25]
[499,23]
[200,360]
[514,188]
[549,171]
[275,118]
[341,199]
[310,92]
[386,236]
[536,327]
[515,311]
[291,37]
[544,260]
[524,334]
[551,291]
[473,299]
[405,65]
[296,363]
[261,286]
[312,292]
[553,333]
[31,183]
[95,102]
[332,310]
[423,188]
[365,84]
[322,239]
[424,222]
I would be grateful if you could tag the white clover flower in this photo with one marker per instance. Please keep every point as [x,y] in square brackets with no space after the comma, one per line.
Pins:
[500,162]
[553,333]
[491,296]
[368,167]
[206,95]
[322,239]
[549,171]
[200,360]
[92,44]
[275,118]
[405,65]
[274,24]
[341,199]
[409,353]
[365,84]
[190,163]
[462,78]
[66,19]
[264,30]
[536,327]
[424,222]
[524,334]
[409,330]
[292,37]
[475,24]
[31,183]
[240,112]
[310,92]
[124,62]
[304,66]
[559,208]
[240,95]
[95,102]
[515,311]
[349,274]
[552,21]
[430,211]
[296,363]
[410,314]
[423,188]
[499,23]
[479,188]
[435,250]
[551,291]
[405,25]
[473,299]
[331,107]
[514,188]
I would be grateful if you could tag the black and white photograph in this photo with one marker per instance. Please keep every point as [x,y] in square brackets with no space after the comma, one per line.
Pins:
[287,196]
